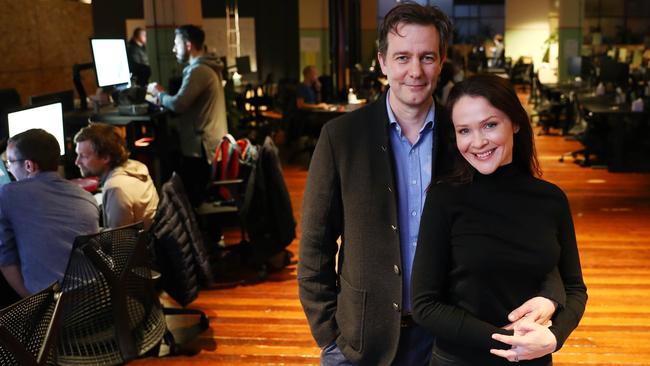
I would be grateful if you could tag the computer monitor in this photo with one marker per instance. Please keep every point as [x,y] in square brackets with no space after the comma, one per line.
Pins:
[48,117]
[614,72]
[111,62]
[4,174]
[587,68]
[243,64]
[66,98]
[574,68]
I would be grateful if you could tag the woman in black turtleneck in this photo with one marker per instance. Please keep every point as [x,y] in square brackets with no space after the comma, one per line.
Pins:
[491,231]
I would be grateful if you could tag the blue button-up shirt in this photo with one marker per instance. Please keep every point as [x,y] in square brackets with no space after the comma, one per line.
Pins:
[40,217]
[412,175]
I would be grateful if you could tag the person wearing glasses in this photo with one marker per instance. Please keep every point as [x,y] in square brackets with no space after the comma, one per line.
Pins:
[40,216]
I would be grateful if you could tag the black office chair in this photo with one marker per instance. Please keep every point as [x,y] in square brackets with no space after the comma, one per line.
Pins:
[9,99]
[112,313]
[577,132]
[28,329]
[521,74]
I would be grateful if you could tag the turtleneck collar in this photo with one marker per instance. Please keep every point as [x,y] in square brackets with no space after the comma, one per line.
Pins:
[507,171]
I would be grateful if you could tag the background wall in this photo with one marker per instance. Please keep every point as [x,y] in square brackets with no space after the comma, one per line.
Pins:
[40,43]
[313,23]
[274,20]
[368,32]
[276,33]
[526,30]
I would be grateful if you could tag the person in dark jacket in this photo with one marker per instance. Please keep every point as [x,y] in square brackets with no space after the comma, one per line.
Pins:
[366,186]
[138,57]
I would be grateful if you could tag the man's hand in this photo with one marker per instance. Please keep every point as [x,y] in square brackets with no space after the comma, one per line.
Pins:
[154,89]
[531,340]
[538,309]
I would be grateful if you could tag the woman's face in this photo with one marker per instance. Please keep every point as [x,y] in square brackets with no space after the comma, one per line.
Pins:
[484,134]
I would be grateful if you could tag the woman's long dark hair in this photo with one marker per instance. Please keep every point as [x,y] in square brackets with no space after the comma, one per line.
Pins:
[500,94]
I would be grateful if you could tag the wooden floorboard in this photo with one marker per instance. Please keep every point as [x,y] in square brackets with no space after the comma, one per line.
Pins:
[263,323]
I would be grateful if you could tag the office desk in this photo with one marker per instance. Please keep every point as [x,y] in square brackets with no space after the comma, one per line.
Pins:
[309,122]
[619,136]
[334,110]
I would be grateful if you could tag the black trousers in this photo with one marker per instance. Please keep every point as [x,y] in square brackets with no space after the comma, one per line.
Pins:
[195,174]
[7,294]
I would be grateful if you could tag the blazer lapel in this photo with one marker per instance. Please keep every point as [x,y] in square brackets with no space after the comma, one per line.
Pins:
[383,162]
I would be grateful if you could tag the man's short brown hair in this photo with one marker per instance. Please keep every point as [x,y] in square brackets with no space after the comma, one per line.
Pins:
[106,140]
[413,13]
[38,146]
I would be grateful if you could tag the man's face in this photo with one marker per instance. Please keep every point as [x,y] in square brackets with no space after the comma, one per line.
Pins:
[89,163]
[412,64]
[181,49]
[312,75]
[16,164]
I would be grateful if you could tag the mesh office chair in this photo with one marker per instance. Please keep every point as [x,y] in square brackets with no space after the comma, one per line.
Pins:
[112,313]
[28,329]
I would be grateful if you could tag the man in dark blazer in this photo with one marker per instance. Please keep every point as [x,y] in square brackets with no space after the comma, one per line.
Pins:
[366,186]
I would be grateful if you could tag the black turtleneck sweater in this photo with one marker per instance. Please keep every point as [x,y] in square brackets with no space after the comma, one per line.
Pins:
[484,249]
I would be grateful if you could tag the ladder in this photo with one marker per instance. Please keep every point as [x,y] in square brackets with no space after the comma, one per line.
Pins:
[232,29]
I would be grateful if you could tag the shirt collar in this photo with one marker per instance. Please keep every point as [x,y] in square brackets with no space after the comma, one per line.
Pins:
[392,120]
[44,175]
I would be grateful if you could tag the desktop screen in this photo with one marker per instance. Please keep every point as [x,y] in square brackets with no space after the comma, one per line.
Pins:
[243,65]
[111,62]
[574,67]
[614,72]
[4,174]
[48,117]
[66,98]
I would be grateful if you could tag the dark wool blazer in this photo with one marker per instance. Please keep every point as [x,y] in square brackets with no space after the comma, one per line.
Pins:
[351,193]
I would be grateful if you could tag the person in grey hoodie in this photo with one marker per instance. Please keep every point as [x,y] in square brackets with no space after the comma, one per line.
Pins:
[201,106]
[128,195]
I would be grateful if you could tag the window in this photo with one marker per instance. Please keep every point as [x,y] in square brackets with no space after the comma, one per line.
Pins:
[475,21]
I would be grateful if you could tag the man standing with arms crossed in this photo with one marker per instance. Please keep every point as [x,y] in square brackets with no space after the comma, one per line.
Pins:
[366,185]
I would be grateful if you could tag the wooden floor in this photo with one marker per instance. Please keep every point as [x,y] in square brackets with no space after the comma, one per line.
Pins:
[263,323]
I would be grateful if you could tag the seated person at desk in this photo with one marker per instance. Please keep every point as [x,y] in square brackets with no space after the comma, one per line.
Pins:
[307,93]
[128,195]
[201,105]
[40,216]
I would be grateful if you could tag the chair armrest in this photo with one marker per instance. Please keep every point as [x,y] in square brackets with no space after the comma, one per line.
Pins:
[228,182]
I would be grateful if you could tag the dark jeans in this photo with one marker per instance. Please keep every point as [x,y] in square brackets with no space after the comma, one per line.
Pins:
[7,294]
[414,349]
[195,174]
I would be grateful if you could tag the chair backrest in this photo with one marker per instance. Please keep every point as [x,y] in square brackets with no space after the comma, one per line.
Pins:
[9,99]
[112,312]
[28,329]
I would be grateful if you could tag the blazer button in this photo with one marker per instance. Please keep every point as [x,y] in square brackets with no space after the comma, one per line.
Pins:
[396,269]
[396,307]
[383,148]
[389,189]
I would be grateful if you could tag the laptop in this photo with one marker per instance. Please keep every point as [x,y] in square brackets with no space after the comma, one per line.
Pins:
[4,174]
